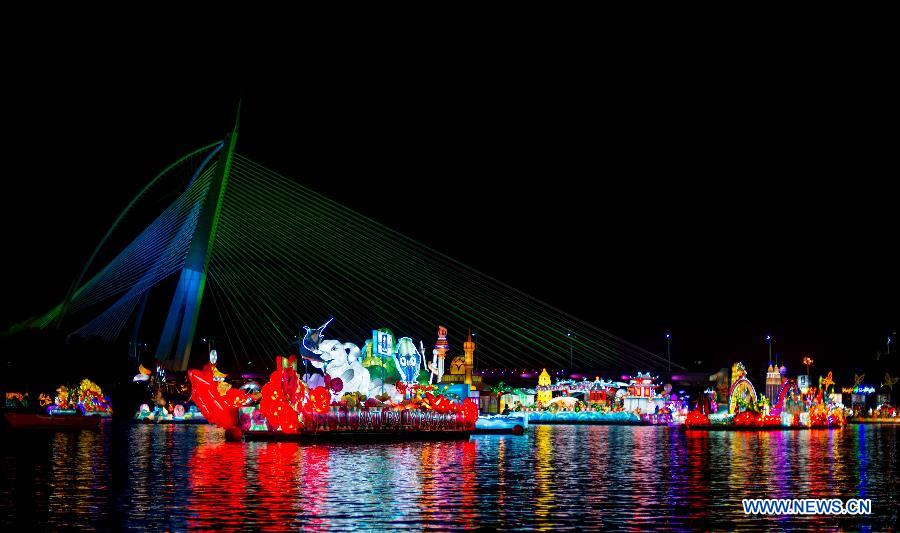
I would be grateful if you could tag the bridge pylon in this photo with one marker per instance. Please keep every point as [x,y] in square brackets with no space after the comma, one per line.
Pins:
[178,332]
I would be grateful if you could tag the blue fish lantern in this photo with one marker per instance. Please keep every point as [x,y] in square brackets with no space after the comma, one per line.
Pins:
[407,359]
[309,344]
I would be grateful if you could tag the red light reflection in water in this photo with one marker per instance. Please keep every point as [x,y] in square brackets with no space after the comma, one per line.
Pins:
[698,479]
[288,485]
[276,477]
[218,485]
[432,484]
[816,444]
[447,473]
[469,453]
[314,486]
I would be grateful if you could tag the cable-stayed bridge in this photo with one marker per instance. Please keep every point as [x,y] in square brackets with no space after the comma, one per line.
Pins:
[261,255]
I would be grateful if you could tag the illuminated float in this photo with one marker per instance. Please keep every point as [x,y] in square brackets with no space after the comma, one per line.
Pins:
[600,402]
[75,408]
[863,411]
[168,399]
[793,408]
[515,423]
[91,400]
[351,399]
[86,399]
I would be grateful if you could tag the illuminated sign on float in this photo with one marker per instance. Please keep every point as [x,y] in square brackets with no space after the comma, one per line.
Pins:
[383,342]
[803,383]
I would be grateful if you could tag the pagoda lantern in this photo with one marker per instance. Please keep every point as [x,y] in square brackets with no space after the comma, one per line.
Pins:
[469,350]
[441,347]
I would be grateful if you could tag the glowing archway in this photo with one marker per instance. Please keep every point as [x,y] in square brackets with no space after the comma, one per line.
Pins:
[740,387]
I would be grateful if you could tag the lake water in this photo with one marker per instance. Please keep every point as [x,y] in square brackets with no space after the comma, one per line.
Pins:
[556,477]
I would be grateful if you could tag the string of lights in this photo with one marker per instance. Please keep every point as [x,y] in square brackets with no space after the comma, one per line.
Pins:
[286,256]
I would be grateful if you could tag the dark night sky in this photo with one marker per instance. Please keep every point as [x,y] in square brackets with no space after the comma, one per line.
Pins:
[723,206]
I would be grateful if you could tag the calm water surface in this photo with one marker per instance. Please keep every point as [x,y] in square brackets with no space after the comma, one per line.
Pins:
[556,477]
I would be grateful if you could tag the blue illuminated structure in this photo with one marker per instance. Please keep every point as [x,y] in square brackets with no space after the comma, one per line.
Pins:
[178,332]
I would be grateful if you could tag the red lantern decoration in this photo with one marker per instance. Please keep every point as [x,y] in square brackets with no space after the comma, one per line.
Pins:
[319,398]
[818,420]
[470,410]
[289,382]
[696,418]
[746,419]
[441,404]
[273,405]
[289,420]
[770,421]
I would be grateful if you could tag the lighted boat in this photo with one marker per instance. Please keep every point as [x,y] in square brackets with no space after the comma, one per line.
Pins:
[59,416]
[80,407]
[636,402]
[794,408]
[883,414]
[161,415]
[342,403]
[169,397]
[515,424]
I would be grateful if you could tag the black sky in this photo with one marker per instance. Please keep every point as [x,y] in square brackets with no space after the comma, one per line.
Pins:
[722,201]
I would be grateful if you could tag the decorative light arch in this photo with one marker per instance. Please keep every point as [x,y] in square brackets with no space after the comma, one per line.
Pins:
[742,384]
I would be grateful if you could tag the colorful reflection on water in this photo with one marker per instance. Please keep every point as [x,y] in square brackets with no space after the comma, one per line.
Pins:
[187,477]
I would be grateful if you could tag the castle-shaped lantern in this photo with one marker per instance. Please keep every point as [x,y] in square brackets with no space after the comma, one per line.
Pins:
[544,393]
